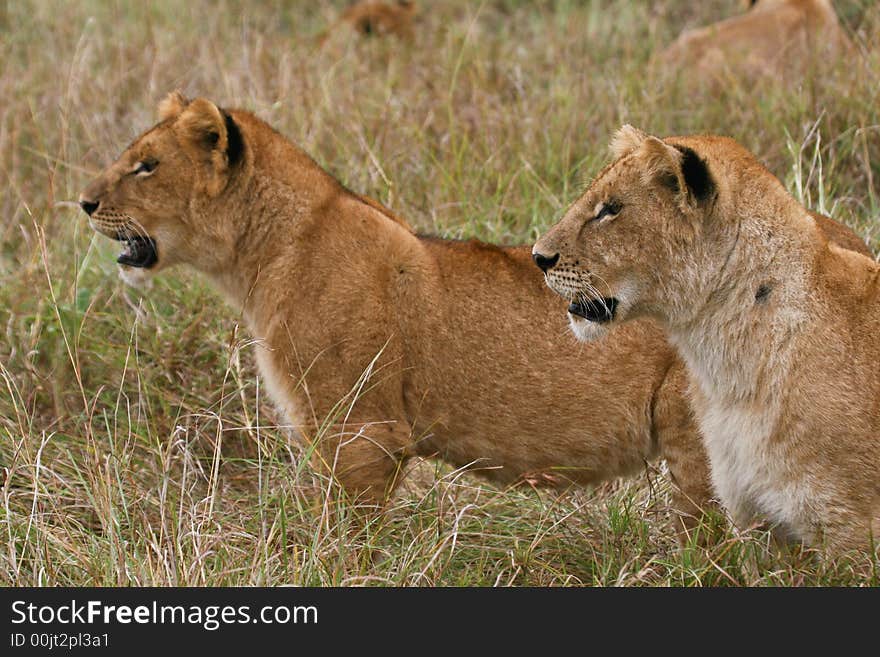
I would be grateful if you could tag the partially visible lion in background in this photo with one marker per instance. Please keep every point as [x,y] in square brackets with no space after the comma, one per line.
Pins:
[376,18]
[774,38]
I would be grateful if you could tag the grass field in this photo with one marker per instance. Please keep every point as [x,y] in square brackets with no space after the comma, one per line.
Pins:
[135,445]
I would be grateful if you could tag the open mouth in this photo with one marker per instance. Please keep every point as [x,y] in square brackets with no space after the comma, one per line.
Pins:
[138,252]
[595,310]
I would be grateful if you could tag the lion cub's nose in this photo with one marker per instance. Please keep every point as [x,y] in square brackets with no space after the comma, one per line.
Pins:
[545,262]
[88,206]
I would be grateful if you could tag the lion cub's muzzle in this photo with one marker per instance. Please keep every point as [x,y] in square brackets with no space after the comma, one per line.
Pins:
[140,250]
[569,284]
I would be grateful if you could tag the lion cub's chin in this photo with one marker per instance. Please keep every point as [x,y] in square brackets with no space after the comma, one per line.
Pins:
[136,277]
[587,331]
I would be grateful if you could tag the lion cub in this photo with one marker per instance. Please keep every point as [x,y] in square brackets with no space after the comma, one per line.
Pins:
[779,328]
[379,345]
[774,38]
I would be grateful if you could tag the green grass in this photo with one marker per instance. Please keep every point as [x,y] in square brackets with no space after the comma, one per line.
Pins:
[135,443]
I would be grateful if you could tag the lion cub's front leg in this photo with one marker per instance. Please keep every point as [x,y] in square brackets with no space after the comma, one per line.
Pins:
[365,458]
[693,504]
[361,444]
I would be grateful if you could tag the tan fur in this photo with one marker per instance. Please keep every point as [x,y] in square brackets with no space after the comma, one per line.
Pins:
[376,18]
[466,354]
[776,38]
[778,326]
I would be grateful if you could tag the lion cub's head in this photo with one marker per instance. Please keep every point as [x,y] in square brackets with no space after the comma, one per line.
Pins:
[153,197]
[611,253]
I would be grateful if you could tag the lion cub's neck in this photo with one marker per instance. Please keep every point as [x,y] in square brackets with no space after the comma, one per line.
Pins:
[260,219]
[753,302]
[282,226]
[742,350]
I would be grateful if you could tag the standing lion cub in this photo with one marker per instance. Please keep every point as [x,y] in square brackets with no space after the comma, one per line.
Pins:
[779,328]
[379,345]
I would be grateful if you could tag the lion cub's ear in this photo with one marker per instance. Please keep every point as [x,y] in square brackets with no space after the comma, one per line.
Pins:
[172,105]
[202,122]
[661,164]
[677,168]
[626,140]
[203,131]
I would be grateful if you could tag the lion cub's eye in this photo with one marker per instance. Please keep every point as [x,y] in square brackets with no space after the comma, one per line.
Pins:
[146,167]
[608,209]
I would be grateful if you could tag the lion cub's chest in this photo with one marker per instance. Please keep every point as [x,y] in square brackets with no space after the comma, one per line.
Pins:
[748,468]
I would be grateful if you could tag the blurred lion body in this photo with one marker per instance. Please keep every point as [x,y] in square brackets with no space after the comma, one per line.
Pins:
[777,324]
[379,345]
[775,38]
[376,18]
